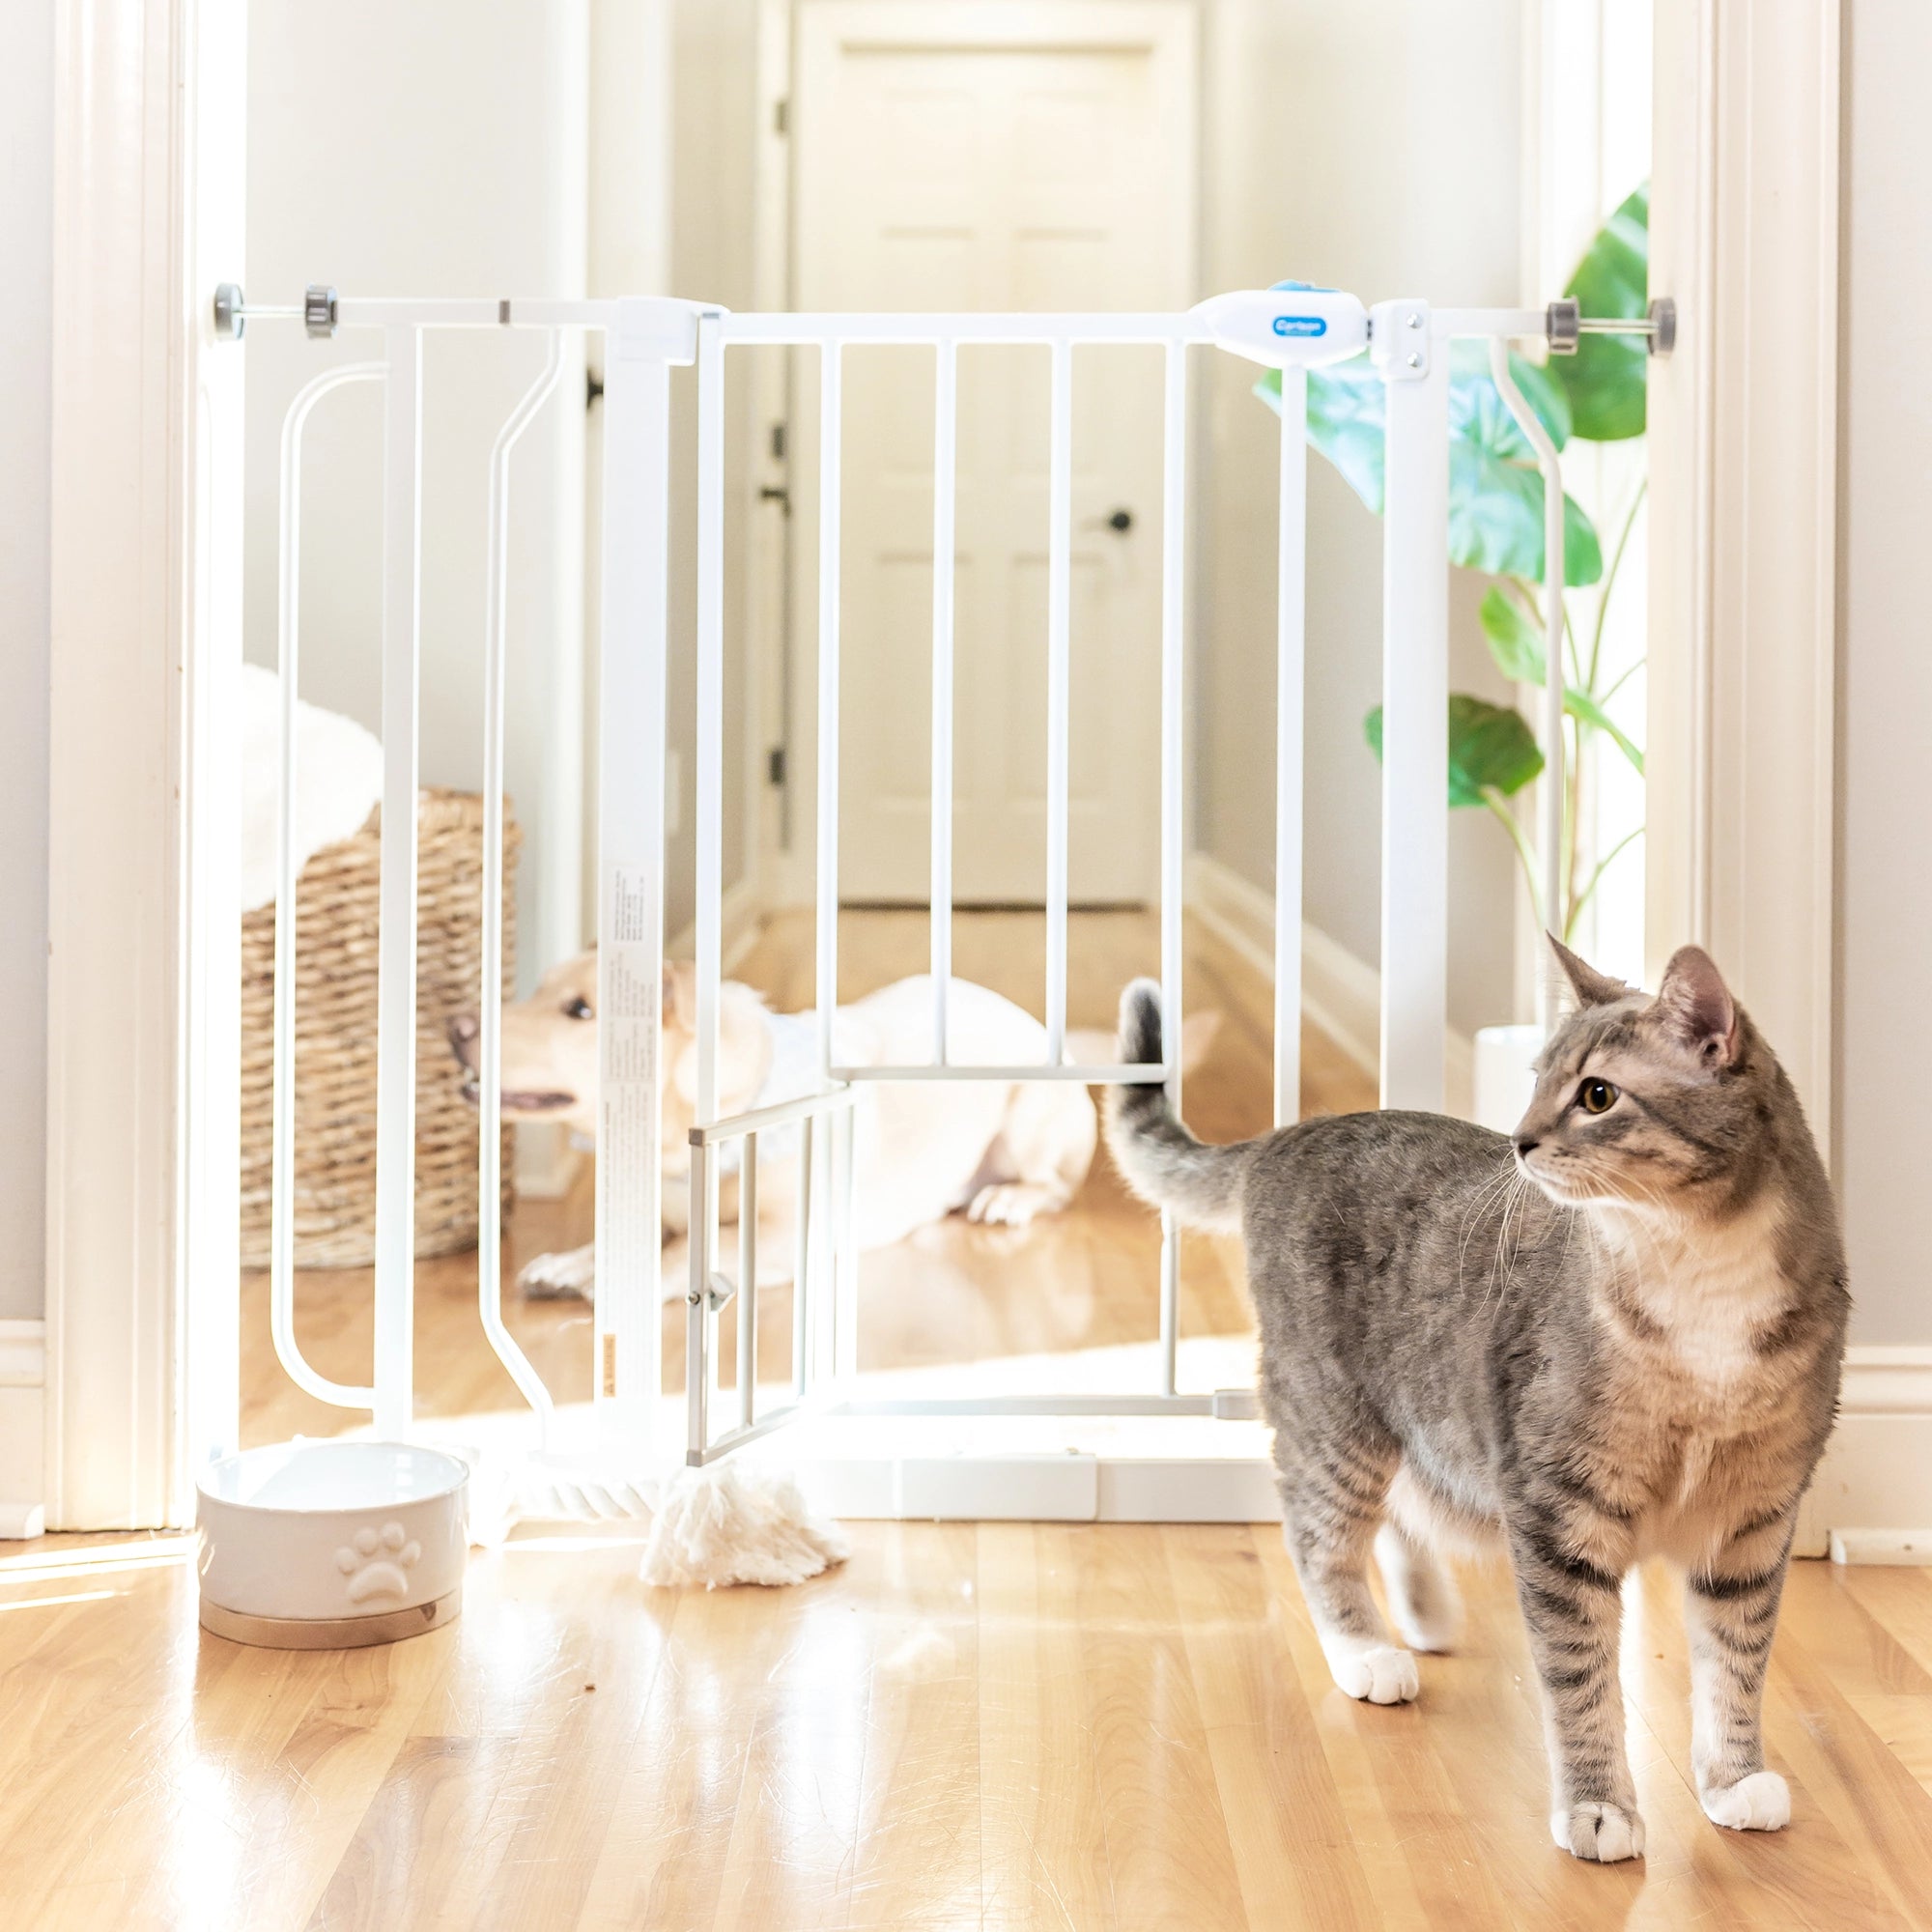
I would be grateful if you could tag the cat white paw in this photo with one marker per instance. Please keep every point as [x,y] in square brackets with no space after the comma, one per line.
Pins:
[1759,1802]
[1604,1834]
[1378,1673]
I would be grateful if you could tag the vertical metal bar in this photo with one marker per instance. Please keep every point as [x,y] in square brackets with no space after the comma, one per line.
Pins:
[845,1255]
[945,487]
[1058,635]
[1172,606]
[712,1322]
[822,1300]
[282,1158]
[710,882]
[710,842]
[1550,796]
[632,728]
[490,996]
[748,1281]
[1416,704]
[1552,799]
[831,409]
[1291,602]
[802,1261]
[697,1310]
[396,968]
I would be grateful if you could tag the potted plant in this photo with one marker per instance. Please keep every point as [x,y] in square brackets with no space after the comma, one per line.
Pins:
[1496,526]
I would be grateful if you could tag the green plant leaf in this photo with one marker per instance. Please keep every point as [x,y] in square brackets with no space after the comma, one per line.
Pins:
[1496,491]
[1516,644]
[1582,706]
[1515,639]
[1489,746]
[1345,414]
[1605,380]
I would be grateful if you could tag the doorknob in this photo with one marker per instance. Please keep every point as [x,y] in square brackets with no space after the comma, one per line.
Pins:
[1120,522]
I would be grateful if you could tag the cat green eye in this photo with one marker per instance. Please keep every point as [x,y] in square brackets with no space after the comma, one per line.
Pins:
[1595,1097]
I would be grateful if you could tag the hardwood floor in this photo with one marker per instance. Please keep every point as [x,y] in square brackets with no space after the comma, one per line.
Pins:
[1002,1725]
[996,1724]
[955,1293]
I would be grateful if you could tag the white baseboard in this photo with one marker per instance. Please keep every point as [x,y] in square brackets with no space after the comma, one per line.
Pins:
[1873,1491]
[1340,994]
[1046,1487]
[742,913]
[1894,1548]
[22,1426]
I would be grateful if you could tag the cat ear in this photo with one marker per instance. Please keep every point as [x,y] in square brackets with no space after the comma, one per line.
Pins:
[1697,1006]
[1591,988]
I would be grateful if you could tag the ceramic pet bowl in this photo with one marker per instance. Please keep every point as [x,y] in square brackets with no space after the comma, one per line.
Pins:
[324,1546]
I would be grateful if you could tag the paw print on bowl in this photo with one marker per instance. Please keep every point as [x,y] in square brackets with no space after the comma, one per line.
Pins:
[377,1562]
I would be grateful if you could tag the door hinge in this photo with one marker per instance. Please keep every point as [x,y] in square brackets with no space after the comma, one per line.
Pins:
[775,766]
[781,116]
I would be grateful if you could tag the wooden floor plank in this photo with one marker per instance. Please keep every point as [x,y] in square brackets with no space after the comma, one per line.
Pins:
[1168,1852]
[1818,1874]
[1009,1725]
[795,1831]
[663,1859]
[1898,1600]
[1344,1729]
[1043,1847]
[1293,1851]
[918,1862]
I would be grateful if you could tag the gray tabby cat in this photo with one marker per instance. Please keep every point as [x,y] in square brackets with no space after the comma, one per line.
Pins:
[1636,1354]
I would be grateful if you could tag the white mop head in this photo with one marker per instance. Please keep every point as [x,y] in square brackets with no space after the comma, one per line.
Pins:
[730,1523]
[733,1523]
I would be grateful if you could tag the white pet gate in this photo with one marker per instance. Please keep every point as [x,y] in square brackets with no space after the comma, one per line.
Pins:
[645,339]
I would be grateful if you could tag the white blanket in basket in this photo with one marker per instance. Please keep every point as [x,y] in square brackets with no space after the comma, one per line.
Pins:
[338,780]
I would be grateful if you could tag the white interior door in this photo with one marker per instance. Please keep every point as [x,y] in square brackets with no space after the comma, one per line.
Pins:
[990,157]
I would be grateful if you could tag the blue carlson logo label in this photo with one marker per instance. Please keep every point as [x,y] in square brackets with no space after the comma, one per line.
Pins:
[1301,324]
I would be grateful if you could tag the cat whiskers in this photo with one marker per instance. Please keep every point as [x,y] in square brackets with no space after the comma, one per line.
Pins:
[1504,1266]
[1485,1197]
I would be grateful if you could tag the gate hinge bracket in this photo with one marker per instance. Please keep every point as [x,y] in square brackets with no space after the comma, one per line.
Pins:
[1399,340]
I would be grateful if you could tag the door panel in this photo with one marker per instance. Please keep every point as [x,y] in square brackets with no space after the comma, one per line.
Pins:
[974,178]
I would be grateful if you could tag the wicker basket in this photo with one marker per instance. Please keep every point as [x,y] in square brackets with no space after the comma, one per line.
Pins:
[336,1039]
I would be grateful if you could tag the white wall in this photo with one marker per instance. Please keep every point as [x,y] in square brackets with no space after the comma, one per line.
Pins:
[1372,147]
[1885,986]
[26,362]
[713,97]
[435,149]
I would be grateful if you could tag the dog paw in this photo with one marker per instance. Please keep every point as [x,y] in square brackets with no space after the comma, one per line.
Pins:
[377,1562]
[1012,1204]
[1759,1802]
[554,1277]
[1378,1673]
[1604,1834]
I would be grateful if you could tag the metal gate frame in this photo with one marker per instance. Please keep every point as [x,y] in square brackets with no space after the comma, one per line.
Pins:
[1291,329]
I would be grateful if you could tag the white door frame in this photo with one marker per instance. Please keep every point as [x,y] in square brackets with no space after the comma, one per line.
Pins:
[144,952]
[1744,526]
[814,30]
[144,941]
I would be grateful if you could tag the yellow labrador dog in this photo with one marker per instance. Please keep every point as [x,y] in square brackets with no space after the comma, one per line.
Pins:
[999,1151]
